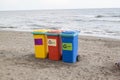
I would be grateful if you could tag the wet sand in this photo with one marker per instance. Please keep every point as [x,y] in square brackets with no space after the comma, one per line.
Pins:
[17,62]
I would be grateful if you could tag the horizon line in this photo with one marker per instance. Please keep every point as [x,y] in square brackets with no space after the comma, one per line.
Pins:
[56,9]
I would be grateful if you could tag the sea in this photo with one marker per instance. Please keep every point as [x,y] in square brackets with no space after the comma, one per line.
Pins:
[104,22]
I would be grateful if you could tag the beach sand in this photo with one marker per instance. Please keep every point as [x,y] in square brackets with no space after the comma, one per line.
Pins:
[17,61]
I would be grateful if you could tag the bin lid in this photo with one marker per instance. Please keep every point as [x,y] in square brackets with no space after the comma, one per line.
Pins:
[40,31]
[53,32]
[69,33]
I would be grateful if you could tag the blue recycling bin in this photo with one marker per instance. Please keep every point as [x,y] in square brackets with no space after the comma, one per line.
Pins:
[69,46]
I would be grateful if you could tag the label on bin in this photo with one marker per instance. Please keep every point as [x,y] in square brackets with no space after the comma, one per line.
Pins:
[51,42]
[38,42]
[67,46]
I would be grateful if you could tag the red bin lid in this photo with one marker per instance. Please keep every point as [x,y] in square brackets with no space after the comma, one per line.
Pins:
[54,32]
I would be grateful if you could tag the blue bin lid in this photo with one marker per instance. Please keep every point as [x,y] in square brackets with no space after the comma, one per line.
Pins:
[69,33]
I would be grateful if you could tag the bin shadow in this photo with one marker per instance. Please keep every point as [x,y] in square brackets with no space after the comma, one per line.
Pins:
[30,61]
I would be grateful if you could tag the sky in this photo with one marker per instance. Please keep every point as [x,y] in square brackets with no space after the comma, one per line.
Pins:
[57,4]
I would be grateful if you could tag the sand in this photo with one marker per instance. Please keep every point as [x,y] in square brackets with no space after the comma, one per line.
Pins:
[98,56]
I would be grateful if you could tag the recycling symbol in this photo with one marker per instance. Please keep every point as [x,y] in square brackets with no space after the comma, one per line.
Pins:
[65,46]
[49,42]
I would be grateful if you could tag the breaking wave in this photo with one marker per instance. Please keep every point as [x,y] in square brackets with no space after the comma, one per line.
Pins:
[101,16]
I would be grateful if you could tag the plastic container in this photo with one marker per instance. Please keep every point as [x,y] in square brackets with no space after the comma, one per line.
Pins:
[40,41]
[54,45]
[70,46]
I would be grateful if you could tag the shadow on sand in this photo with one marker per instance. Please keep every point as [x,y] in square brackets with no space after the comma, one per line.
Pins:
[30,61]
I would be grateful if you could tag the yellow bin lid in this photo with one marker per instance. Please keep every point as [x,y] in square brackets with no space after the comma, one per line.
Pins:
[40,31]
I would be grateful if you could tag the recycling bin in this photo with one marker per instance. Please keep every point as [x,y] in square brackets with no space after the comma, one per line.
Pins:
[40,41]
[69,46]
[54,45]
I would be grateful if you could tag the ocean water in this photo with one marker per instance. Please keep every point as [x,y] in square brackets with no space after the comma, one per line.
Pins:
[94,22]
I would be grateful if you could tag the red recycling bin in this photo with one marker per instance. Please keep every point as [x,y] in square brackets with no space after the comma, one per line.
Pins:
[54,45]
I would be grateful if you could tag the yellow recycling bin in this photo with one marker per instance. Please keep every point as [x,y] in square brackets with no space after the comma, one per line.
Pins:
[40,41]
